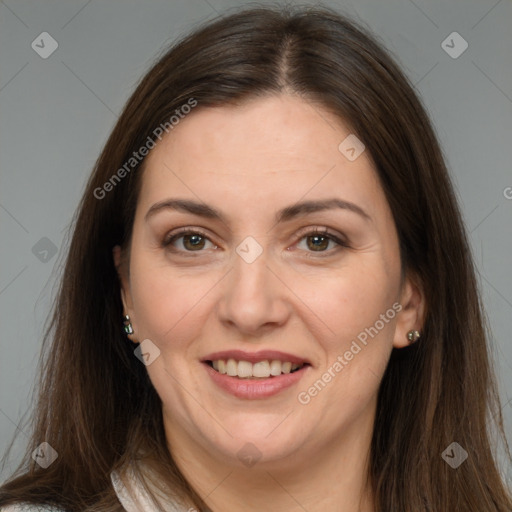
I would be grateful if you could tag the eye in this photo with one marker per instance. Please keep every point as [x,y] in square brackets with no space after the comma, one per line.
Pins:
[193,240]
[319,240]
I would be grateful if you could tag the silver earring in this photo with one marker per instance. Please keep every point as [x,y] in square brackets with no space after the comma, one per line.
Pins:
[413,335]
[128,329]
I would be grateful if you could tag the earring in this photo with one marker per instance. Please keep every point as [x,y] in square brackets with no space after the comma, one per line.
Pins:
[128,329]
[413,335]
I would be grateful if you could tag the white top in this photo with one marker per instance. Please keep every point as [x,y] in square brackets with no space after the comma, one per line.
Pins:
[135,501]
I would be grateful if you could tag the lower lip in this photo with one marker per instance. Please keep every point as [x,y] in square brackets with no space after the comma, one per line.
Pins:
[254,389]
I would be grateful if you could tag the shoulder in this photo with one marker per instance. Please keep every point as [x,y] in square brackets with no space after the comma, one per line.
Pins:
[27,507]
[133,495]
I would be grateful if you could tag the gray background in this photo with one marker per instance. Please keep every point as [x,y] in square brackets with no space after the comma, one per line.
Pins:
[56,114]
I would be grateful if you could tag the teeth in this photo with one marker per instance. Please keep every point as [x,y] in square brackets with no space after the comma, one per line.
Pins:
[244,369]
[275,368]
[261,369]
[232,368]
[286,367]
[247,370]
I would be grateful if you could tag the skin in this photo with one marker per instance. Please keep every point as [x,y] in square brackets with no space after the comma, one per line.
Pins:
[250,161]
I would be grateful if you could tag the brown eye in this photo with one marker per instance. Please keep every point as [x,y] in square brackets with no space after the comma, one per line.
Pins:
[319,240]
[191,241]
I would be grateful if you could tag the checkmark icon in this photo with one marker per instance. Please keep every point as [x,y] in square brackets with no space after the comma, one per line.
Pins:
[44,455]
[450,455]
[351,147]
[249,454]
[454,45]
[147,352]
[44,250]
[249,249]
[454,455]
[351,151]
[44,45]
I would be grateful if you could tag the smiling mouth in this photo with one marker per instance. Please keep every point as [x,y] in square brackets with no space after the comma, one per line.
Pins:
[261,370]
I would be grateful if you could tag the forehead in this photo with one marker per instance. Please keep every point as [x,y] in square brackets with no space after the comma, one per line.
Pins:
[277,149]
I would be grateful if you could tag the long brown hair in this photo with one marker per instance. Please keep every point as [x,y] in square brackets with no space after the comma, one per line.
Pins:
[96,405]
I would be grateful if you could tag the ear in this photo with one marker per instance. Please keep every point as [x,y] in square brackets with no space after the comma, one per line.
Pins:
[412,314]
[122,272]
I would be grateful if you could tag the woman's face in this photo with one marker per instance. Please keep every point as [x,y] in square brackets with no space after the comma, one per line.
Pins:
[252,282]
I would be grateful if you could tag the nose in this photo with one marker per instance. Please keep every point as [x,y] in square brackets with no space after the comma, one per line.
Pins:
[254,298]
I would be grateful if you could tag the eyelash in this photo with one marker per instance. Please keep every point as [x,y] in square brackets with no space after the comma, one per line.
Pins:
[172,237]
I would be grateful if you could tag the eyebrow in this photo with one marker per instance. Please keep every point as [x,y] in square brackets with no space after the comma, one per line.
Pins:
[286,214]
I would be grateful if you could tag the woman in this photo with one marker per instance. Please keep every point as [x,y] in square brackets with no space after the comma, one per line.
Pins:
[269,301]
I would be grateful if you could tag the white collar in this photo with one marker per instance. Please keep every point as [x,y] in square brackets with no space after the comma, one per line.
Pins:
[138,499]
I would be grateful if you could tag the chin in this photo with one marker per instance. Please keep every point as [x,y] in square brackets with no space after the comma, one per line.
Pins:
[266,445]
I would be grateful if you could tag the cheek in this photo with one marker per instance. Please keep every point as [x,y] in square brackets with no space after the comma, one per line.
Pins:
[358,311]
[357,343]
[349,301]
[166,304]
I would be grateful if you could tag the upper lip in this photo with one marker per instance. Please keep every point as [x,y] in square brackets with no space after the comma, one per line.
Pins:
[255,357]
